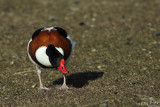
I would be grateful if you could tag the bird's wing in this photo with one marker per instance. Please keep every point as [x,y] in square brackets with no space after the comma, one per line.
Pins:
[72,42]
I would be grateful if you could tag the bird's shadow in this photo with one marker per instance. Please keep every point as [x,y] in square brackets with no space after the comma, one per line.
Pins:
[78,80]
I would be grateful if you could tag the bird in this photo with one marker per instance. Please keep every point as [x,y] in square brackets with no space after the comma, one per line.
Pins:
[50,47]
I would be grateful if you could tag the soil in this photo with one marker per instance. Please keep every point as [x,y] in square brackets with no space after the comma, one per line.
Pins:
[115,61]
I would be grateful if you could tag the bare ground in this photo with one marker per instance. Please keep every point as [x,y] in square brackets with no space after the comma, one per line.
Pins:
[115,62]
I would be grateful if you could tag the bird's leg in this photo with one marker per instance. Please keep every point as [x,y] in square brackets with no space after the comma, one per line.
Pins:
[40,81]
[64,86]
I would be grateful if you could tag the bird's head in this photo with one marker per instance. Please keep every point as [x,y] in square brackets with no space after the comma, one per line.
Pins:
[56,58]
[62,67]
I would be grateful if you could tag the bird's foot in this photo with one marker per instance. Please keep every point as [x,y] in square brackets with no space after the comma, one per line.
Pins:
[64,87]
[44,88]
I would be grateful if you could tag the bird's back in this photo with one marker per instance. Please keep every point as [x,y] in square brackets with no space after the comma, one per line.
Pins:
[45,37]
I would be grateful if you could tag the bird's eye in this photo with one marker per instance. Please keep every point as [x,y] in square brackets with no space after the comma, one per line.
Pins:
[62,67]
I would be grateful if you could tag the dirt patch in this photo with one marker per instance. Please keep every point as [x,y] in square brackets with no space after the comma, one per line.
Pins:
[115,62]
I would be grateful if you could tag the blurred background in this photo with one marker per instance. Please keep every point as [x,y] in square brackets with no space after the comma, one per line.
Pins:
[115,62]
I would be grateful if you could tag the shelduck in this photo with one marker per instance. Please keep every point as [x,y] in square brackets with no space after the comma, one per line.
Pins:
[50,48]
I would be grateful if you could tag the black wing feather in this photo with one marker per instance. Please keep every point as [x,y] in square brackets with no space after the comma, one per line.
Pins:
[36,33]
[61,31]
